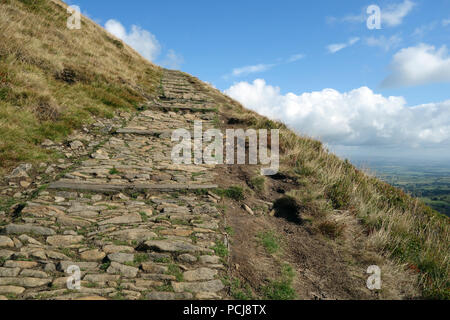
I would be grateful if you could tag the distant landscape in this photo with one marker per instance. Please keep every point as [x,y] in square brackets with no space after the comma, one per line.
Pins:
[429,181]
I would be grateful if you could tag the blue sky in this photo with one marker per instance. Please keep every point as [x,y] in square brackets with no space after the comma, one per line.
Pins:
[297,50]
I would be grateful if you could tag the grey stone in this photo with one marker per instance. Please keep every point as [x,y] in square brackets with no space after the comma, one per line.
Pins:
[28,228]
[127,271]
[6,242]
[169,296]
[9,272]
[21,171]
[209,286]
[186,257]
[24,282]
[121,257]
[33,274]
[63,265]
[171,246]
[209,259]
[130,218]
[200,274]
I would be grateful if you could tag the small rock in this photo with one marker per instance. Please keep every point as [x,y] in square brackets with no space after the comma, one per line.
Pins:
[24,282]
[75,145]
[195,287]
[247,208]
[93,255]
[114,249]
[130,218]
[64,241]
[127,271]
[47,143]
[20,264]
[153,268]
[187,258]
[6,242]
[21,171]
[121,257]
[200,274]
[11,290]
[97,197]
[25,184]
[209,259]
[9,272]
[33,274]
[50,267]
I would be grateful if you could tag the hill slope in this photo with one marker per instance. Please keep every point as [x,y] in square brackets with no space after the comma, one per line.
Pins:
[329,223]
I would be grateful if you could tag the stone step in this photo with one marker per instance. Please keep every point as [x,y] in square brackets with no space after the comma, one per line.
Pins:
[84,186]
[174,108]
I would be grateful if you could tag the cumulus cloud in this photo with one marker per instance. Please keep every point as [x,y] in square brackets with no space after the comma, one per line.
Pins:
[141,40]
[333,48]
[295,57]
[422,64]
[356,118]
[384,42]
[251,69]
[394,14]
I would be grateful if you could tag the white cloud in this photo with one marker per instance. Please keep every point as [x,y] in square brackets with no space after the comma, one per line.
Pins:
[335,47]
[446,22]
[383,42]
[419,65]
[242,71]
[394,14]
[356,118]
[391,16]
[172,60]
[295,57]
[141,40]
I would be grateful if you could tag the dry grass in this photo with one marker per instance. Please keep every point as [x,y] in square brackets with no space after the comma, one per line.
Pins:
[53,79]
[396,226]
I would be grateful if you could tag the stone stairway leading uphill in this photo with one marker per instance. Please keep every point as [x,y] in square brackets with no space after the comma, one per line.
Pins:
[137,225]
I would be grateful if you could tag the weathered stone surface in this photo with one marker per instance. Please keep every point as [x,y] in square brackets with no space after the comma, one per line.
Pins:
[186,257]
[92,255]
[64,241]
[134,234]
[169,296]
[20,264]
[6,242]
[9,272]
[200,274]
[209,259]
[126,271]
[101,278]
[148,283]
[114,249]
[24,282]
[11,290]
[21,171]
[29,240]
[127,219]
[63,265]
[153,268]
[171,246]
[6,254]
[28,228]
[121,257]
[33,274]
[209,286]
[70,222]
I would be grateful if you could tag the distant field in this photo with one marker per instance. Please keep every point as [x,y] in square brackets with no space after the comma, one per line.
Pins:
[429,182]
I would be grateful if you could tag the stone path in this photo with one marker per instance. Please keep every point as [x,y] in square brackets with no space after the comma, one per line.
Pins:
[129,218]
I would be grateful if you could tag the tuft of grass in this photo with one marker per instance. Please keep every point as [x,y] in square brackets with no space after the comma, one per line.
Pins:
[220,249]
[234,192]
[258,183]
[331,229]
[281,289]
[114,171]
[269,241]
[174,270]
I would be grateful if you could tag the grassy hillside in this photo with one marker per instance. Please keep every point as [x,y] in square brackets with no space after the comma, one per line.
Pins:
[53,79]
[399,227]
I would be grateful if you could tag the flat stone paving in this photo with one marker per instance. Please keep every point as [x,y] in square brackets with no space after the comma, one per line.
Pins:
[112,215]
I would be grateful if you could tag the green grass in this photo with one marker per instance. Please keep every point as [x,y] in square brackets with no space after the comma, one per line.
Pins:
[269,241]
[220,249]
[174,270]
[258,183]
[114,171]
[143,216]
[281,289]
[238,290]
[234,192]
